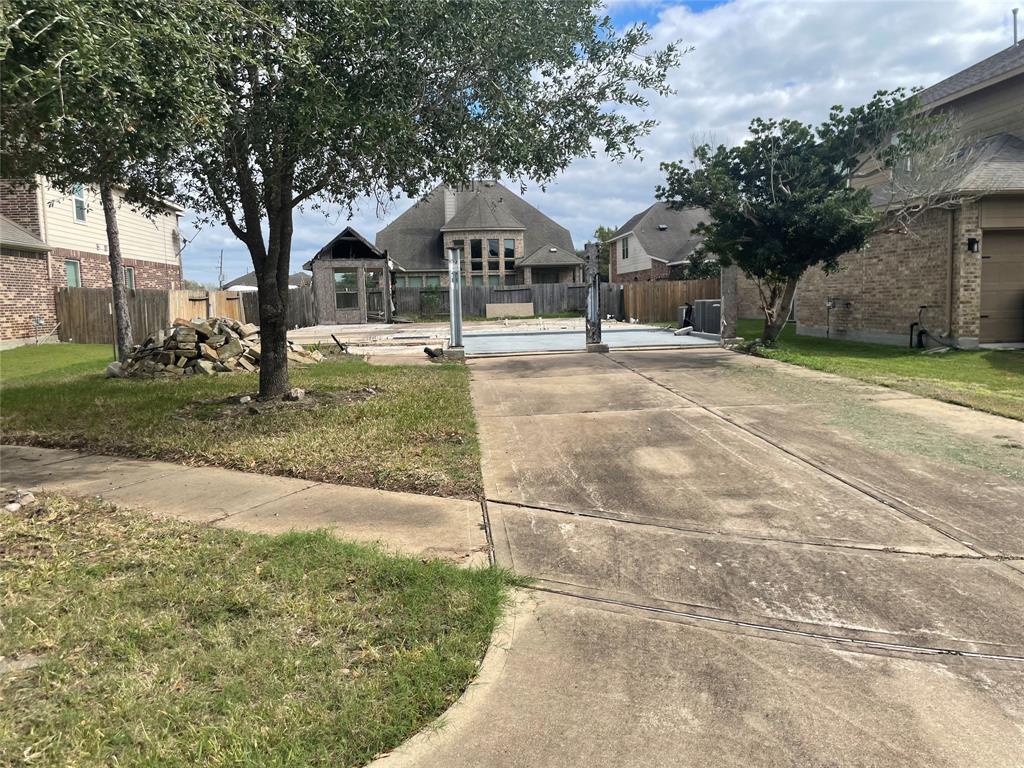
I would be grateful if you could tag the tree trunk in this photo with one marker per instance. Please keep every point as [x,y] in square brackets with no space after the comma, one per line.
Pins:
[780,312]
[122,319]
[272,292]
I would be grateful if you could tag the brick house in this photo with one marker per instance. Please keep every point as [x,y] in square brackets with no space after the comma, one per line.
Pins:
[652,242]
[965,263]
[504,240]
[49,240]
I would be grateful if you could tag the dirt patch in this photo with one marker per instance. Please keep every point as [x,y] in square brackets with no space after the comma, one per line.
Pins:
[248,407]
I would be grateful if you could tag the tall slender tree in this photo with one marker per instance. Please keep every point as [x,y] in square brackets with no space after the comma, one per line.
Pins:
[331,101]
[106,93]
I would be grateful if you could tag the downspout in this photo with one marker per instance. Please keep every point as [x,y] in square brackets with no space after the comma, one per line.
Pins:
[949,275]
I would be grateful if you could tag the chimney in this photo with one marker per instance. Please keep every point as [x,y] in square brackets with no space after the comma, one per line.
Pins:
[449,203]
[1015,11]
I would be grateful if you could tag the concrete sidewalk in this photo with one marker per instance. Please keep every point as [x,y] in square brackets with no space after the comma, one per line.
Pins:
[424,526]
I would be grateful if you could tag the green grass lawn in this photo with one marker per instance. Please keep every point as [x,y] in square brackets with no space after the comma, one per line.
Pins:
[408,428]
[130,641]
[989,380]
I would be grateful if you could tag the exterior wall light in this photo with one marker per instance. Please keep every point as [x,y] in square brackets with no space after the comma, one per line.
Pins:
[973,245]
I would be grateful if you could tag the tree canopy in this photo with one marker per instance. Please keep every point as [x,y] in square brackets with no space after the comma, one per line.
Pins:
[331,101]
[786,199]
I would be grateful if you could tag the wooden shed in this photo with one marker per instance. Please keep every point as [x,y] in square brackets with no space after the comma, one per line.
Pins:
[351,281]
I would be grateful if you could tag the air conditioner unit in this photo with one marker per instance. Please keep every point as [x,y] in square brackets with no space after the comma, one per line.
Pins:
[707,315]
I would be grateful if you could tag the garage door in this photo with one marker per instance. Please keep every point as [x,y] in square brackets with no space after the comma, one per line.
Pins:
[1002,286]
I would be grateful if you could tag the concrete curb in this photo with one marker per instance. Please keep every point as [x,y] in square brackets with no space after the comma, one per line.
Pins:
[457,718]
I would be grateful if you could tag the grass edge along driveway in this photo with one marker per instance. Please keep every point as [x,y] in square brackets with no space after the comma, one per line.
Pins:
[404,428]
[985,379]
[138,641]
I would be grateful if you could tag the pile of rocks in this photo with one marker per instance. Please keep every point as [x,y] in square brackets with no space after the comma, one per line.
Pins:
[202,347]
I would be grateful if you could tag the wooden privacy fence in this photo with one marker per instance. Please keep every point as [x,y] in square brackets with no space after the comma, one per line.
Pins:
[547,299]
[301,313]
[659,302]
[86,314]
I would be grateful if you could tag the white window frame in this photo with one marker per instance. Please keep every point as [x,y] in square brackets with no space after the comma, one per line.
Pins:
[129,283]
[78,196]
[625,247]
[78,270]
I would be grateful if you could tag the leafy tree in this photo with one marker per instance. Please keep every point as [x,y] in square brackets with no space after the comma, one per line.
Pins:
[700,266]
[783,201]
[331,101]
[103,93]
[603,236]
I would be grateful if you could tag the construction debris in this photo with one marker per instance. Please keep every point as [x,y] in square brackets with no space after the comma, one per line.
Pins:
[202,347]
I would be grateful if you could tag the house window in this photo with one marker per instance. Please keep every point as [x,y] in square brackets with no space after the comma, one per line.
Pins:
[346,289]
[492,280]
[129,278]
[73,274]
[476,257]
[493,256]
[478,279]
[433,281]
[510,255]
[79,201]
[399,281]
[416,281]
[625,247]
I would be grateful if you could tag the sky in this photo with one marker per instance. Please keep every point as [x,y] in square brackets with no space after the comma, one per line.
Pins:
[768,58]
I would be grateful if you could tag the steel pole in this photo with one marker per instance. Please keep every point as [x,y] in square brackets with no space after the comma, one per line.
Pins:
[455,297]
[594,343]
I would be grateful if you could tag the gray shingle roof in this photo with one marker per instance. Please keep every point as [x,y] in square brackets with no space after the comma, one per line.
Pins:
[998,65]
[16,236]
[414,239]
[480,212]
[673,243]
[298,279]
[550,256]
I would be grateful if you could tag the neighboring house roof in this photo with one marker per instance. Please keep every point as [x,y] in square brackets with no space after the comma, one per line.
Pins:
[248,280]
[414,239]
[550,256]
[1007,63]
[16,236]
[480,212]
[998,165]
[665,234]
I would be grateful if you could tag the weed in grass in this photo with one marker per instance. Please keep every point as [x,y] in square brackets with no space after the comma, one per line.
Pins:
[133,641]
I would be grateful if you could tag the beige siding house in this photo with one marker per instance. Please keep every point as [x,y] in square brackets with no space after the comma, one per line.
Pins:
[51,239]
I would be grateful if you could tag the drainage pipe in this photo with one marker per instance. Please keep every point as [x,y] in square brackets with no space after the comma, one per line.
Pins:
[949,274]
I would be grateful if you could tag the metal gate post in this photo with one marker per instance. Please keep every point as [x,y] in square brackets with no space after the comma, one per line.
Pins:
[455,348]
[594,343]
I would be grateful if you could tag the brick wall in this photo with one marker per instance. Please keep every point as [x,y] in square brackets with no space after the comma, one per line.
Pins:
[19,202]
[96,270]
[24,293]
[877,291]
[500,236]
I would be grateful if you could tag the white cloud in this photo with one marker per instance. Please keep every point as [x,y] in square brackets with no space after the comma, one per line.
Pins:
[751,58]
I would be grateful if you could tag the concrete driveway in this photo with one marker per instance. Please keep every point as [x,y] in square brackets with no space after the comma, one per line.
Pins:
[740,563]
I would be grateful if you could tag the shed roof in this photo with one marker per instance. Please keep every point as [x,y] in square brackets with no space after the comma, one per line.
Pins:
[549,255]
[16,236]
[665,234]
[298,279]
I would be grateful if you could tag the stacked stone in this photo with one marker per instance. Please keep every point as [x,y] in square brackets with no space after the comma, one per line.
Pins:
[202,347]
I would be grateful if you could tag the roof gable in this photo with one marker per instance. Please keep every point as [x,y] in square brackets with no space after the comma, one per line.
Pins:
[17,237]
[549,255]
[414,239]
[481,213]
[664,233]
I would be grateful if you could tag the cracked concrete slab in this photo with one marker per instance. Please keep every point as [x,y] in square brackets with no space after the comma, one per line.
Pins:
[686,468]
[568,394]
[583,687]
[962,604]
[83,475]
